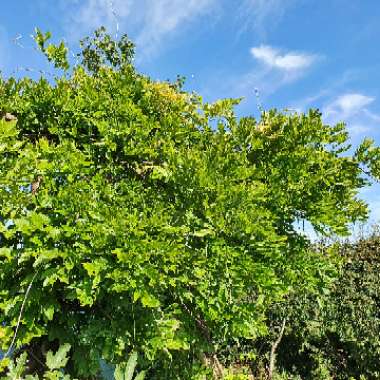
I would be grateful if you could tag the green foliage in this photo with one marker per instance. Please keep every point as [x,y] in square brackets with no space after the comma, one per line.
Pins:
[352,318]
[54,364]
[126,372]
[54,53]
[335,334]
[102,49]
[155,221]
[59,359]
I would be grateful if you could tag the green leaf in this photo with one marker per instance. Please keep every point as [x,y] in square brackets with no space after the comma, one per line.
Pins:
[59,359]
[141,376]
[49,312]
[16,371]
[149,300]
[6,253]
[130,367]
[119,372]
[204,232]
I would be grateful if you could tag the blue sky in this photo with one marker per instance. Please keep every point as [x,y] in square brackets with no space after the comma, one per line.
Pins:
[297,53]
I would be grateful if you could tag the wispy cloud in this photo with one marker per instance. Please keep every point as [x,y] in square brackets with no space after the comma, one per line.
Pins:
[331,88]
[353,109]
[5,51]
[150,22]
[348,105]
[290,61]
[91,14]
[166,16]
[256,13]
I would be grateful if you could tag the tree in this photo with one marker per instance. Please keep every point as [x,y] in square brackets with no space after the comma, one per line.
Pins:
[160,223]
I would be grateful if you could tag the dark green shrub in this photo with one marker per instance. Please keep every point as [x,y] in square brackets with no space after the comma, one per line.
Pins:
[337,331]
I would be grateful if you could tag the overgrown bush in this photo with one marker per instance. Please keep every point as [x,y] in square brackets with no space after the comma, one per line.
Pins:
[336,334]
[139,217]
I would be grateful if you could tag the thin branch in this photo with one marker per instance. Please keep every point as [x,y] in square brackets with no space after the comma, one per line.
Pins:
[20,315]
[199,322]
[275,344]
[43,365]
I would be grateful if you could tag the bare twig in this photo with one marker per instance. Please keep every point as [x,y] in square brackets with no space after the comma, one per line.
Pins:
[30,352]
[199,322]
[211,359]
[272,360]
[216,367]
[20,315]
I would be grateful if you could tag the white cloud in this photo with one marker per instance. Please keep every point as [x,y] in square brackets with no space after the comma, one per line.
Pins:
[148,21]
[289,62]
[350,104]
[352,108]
[277,69]
[347,105]
[327,91]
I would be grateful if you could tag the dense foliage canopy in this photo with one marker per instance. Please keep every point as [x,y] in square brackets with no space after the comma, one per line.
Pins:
[150,220]
[335,334]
